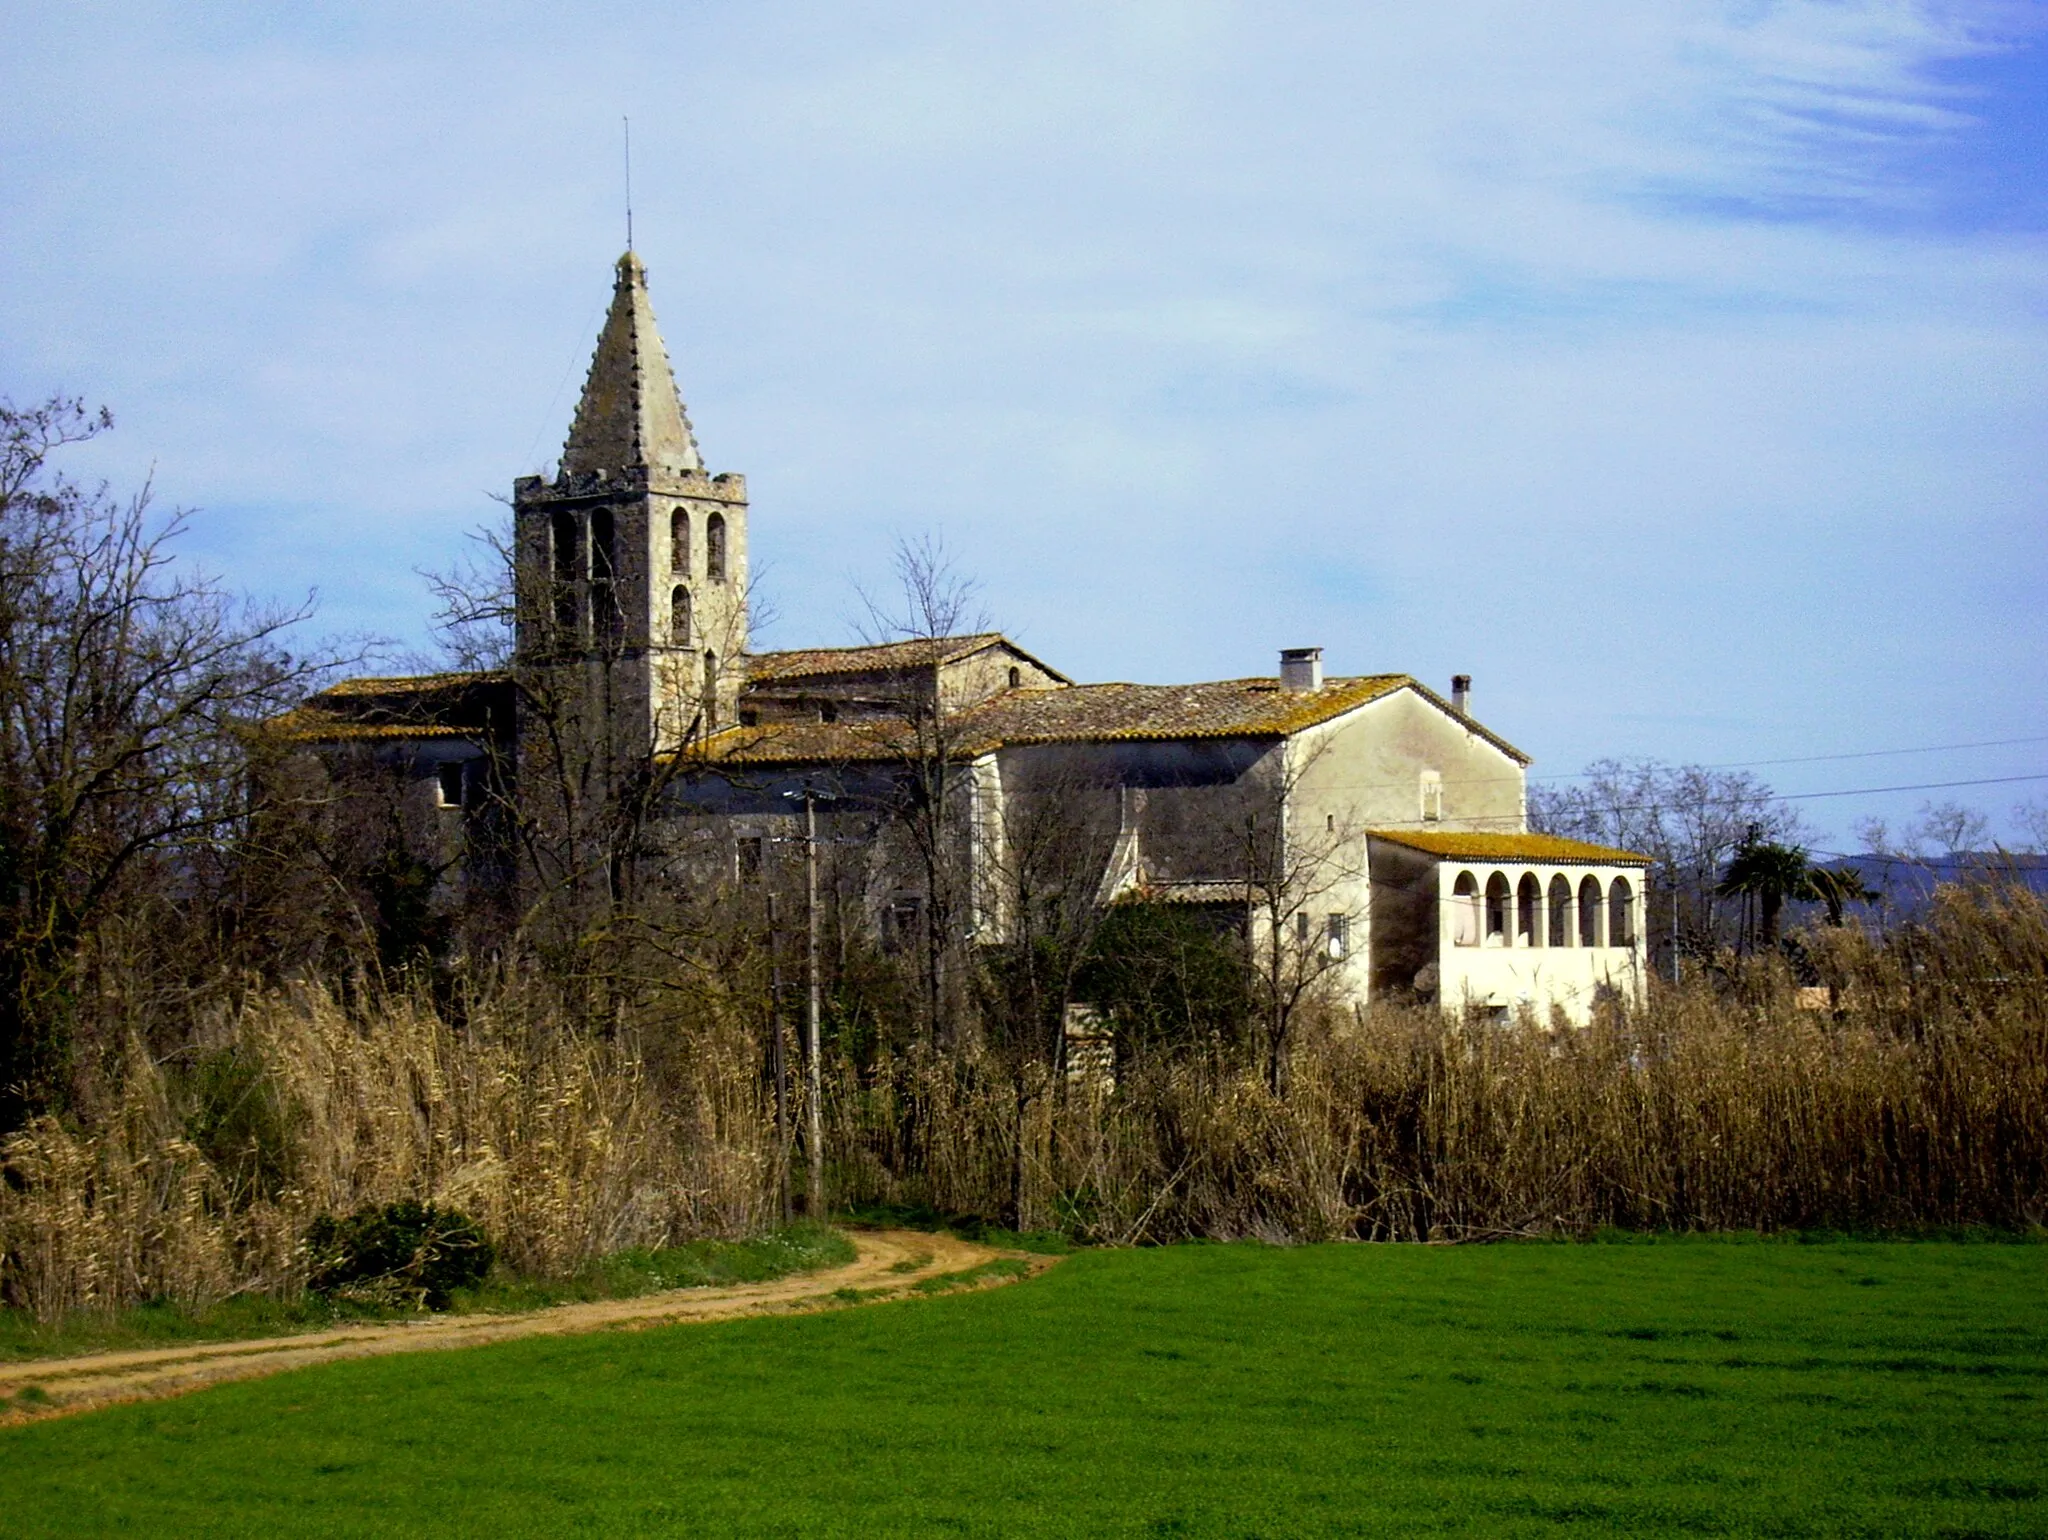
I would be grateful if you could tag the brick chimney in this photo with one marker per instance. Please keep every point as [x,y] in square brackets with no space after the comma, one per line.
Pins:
[1461,694]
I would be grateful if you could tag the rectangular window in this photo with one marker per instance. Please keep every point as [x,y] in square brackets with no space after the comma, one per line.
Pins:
[902,924]
[448,787]
[1338,933]
[1432,796]
[747,859]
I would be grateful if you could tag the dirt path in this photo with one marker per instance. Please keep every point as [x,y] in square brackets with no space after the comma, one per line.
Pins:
[890,1263]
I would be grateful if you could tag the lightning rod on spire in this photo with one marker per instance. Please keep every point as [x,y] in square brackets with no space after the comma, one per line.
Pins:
[629,181]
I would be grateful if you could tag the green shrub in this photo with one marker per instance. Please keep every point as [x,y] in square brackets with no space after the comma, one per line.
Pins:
[240,1120]
[401,1253]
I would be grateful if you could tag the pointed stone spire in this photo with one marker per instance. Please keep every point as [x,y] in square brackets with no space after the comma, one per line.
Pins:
[630,417]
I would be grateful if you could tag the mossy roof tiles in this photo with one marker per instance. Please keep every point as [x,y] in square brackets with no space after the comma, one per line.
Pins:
[308,725]
[1484,846]
[1082,713]
[412,684]
[453,705]
[882,658]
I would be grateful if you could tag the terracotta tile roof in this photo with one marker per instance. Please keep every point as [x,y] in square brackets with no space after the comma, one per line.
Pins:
[1224,708]
[411,684]
[804,743]
[923,652]
[409,706]
[305,724]
[1082,713]
[1550,848]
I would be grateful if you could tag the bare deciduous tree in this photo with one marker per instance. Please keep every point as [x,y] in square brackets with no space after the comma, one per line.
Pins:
[2031,820]
[1938,829]
[1291,875]
[127,690]
[1691,818]
[933,601]
[1041,883]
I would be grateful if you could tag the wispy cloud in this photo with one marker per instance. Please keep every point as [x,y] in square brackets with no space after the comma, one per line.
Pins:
[1616,352]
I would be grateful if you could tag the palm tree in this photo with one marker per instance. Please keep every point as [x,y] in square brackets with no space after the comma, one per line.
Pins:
[1772,873]
[1837,887]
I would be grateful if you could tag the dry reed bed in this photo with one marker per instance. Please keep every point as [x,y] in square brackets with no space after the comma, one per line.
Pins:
[555,1139]
[1922,1101]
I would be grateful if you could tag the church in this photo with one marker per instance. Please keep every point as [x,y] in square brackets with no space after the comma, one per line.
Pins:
[1365,835]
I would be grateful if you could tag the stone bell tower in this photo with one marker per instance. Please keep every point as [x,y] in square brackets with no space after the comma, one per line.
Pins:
[632,563]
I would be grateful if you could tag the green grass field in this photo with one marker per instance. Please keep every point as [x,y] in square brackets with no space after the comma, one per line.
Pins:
[1686,1387]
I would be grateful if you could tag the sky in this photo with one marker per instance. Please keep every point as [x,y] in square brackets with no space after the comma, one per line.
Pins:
[1677,369]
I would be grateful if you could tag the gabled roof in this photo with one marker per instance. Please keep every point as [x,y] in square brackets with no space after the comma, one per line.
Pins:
[884,657]
[1081,713]
[307,724]
[455,705]
[400,686]
[630,414]
[1552,849]
[1224,708]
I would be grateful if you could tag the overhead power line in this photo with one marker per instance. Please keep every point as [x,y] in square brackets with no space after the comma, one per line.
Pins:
[1765,795]
[1815,759]
[1872,791]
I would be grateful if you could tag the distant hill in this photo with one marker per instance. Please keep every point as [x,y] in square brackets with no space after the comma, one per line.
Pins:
[1905,884]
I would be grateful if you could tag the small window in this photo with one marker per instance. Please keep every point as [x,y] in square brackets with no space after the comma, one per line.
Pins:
[679,540]
[1016,677]
[679,618]
[714,548]
[605,612]
[747,859]
[901,922]
[448,786]
[568,548]
[1338,935]
[828,711]
[569,612]
[1301,929]
[1432,796]
[569,572]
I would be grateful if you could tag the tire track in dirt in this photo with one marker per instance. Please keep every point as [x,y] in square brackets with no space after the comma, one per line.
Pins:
[890,1264]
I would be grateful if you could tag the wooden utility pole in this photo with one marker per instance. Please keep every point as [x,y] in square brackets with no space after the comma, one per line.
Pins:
[777,1061]
[814,1073]
[1672,872]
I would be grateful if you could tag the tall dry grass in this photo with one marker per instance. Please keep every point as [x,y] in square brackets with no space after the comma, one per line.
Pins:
[1921,1100]
[557,1140]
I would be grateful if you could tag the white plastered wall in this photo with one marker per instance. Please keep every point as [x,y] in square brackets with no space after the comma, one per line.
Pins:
[1507,972]
[1364,770]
